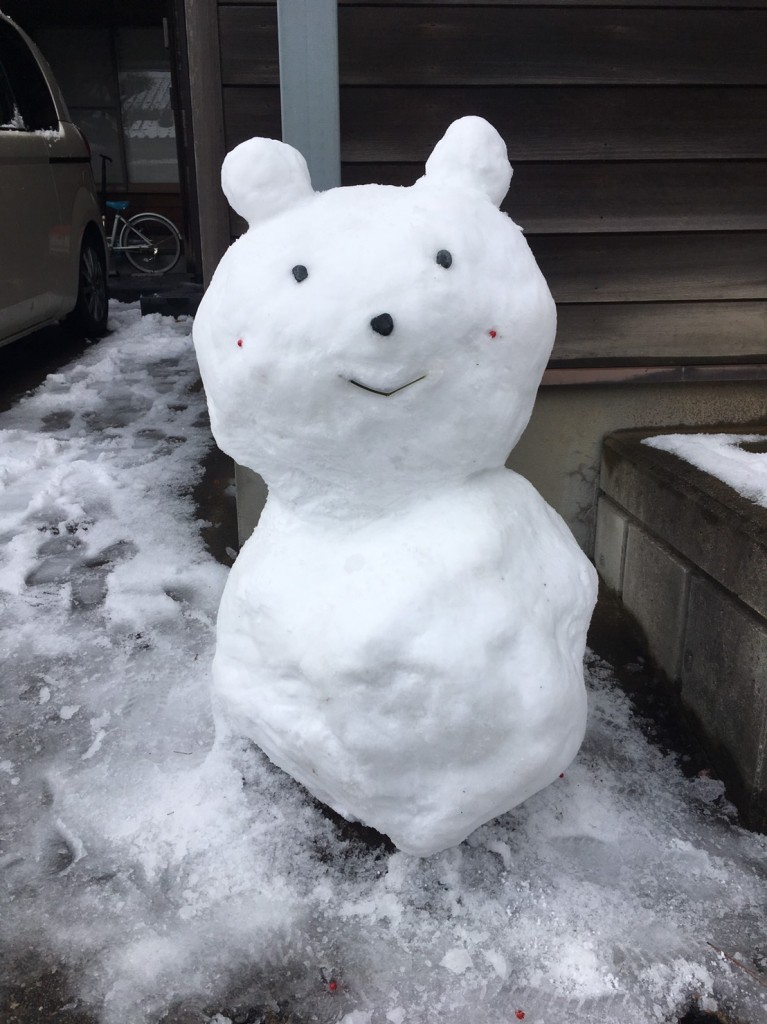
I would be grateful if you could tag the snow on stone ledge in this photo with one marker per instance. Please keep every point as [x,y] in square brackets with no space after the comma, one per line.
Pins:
[723,457]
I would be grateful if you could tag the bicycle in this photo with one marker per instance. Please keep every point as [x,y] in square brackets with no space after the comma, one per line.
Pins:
[150,242]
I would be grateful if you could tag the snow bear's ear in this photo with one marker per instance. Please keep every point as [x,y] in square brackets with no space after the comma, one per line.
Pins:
[471,155]
[263,177]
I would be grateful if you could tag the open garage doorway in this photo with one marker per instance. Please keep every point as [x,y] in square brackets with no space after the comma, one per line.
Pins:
[119,69]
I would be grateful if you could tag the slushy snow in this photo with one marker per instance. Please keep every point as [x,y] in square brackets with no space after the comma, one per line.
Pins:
[723,457]
[166,882]
[404,632]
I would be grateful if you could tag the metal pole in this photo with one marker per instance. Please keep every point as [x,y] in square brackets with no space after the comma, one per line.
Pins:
[308,45]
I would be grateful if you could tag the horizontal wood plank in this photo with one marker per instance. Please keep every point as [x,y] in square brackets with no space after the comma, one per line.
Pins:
[554,123]
[619,196]
[248,42]
[515,46]
[612,198]
[657,333]
[609,269]
[538,124]
[709,373]
[634,197]
[650,333]
[652,268]
[723,4]
[249,112]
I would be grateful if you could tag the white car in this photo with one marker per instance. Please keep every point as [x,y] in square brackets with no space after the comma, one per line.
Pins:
[53,260]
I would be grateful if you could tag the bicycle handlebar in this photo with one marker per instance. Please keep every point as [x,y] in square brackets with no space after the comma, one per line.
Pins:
[104,161]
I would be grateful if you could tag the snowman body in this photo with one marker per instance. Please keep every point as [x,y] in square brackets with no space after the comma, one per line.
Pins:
[404,631]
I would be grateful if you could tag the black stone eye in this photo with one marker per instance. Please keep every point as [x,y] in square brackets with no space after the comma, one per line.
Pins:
[301,273]
[444,258]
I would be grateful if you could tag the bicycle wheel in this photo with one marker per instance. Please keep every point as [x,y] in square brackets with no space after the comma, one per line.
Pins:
[151,243]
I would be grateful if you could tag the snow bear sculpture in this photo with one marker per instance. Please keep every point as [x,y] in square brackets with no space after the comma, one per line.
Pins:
[404,631]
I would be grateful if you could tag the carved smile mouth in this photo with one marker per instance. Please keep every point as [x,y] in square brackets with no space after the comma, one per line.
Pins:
[387,394]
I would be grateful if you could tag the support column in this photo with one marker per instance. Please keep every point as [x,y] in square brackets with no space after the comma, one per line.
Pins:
[308,44]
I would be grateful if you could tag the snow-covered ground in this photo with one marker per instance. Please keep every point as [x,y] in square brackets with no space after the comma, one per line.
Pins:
[168,878]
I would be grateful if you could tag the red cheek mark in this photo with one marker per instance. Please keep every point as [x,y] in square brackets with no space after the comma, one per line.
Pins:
[520,1014]
[561,775]
[493,334]
[332,985]
[239,343]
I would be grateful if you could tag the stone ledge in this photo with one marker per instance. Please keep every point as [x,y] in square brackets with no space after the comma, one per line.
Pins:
[724,685]
[655,590]
[698,516]
[687,555]
[610,543]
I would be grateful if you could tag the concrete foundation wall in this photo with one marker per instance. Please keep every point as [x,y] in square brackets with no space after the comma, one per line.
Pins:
[560,451]
[688,558]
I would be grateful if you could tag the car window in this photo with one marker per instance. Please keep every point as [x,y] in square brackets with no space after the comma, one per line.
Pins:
[32,107]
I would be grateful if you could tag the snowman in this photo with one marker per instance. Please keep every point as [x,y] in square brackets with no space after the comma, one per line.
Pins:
[404,631]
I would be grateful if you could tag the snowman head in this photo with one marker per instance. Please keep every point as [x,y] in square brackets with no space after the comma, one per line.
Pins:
[361,344]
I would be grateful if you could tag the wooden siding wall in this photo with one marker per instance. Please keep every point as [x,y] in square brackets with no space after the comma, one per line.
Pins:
[637,133]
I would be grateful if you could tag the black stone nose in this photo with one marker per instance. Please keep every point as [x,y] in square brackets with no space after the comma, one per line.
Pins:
[382,324]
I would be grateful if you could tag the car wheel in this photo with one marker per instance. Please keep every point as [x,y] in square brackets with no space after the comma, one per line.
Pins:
[89,317]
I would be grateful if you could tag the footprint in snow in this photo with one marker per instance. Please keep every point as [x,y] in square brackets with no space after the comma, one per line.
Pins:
[64,562]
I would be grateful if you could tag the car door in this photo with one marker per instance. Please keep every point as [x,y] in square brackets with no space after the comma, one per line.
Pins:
[30,217]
